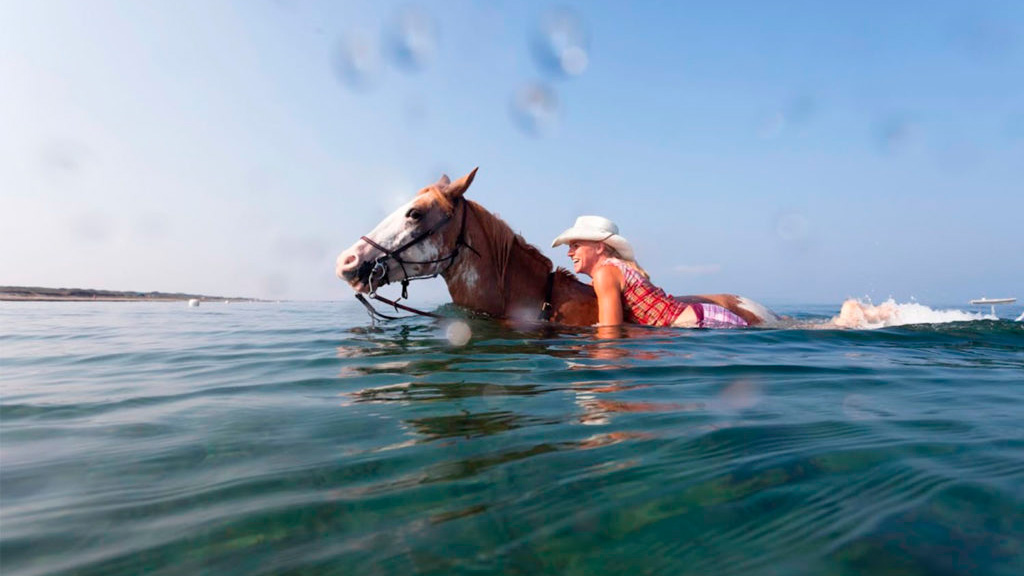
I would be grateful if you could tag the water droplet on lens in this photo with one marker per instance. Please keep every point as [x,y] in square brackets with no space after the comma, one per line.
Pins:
[983,38]
[771,127]
[535,110]
[740,395]
[574,61]
[894,135]
[1015,127]
[64,157]
[275,284]
[415,110]
[296,249]
[358,61]
[458,333]
[560,45]
[286,5]
[800,109]
[857,407]
[412,39]
[92,227]
[792,227]
[152,227]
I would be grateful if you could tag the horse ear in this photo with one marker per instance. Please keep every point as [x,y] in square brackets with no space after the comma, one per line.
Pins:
[459,187]
[443,181]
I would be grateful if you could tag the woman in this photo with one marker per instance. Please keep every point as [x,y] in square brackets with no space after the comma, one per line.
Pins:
[625,292]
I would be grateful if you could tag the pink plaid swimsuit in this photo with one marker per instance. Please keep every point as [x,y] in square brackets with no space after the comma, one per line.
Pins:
[645,303]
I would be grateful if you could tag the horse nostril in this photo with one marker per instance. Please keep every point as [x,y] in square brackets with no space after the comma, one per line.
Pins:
[346,265]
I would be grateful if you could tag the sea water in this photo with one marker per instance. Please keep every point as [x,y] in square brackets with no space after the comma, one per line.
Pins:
[299,438]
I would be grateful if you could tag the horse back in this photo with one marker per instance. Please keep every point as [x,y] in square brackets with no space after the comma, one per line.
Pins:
[574,302]
[753,313]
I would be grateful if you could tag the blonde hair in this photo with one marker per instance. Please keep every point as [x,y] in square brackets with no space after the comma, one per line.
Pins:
[631,263]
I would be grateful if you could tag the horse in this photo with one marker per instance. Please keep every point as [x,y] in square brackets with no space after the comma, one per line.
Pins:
[489,269]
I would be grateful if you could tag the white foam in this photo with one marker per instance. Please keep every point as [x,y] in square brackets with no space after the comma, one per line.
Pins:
[915,313]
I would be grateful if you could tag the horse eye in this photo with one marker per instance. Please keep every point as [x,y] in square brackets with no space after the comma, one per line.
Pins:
[414,214]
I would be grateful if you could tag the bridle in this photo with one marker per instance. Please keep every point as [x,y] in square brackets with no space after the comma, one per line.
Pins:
[378,269]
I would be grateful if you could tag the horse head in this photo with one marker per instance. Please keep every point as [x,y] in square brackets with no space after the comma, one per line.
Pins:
[418,240]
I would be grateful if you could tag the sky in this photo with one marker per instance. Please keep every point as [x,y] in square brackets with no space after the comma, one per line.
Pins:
[791,152]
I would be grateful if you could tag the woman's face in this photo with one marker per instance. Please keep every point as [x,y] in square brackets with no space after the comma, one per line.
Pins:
[585,255]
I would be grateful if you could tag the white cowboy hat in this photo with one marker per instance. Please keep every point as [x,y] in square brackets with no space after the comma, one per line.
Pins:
[597,229]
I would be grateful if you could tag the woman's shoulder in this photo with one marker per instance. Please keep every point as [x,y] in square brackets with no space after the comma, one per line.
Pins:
[619,269]
[618,264]
[607,276]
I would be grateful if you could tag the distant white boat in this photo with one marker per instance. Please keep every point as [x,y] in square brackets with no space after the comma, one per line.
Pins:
[983,301]
[193,302]
[992,301]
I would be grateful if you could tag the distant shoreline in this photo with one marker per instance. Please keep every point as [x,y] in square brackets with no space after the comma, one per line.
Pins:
[40,294]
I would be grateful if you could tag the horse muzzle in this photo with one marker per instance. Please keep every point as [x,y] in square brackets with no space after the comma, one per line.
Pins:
[362,275]
[354,271]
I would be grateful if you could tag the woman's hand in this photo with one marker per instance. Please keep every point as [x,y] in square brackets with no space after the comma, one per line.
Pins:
[608,287]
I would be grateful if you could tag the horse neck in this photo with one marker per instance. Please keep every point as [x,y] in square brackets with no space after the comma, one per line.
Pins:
[506,276]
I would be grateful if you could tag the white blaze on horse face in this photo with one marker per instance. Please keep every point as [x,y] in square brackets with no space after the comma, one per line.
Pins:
[391,233]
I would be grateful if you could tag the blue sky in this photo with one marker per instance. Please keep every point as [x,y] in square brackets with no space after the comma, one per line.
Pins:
[792,152]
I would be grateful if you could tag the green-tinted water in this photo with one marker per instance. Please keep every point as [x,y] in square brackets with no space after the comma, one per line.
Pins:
[297,439]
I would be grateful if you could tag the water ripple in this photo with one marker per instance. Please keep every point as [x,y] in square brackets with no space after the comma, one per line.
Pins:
[295,438]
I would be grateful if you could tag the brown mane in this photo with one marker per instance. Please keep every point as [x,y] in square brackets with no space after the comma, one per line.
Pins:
[504,276]
[506,240]
[495,227]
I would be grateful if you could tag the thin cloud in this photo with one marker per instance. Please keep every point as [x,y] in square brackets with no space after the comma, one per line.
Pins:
[698,269]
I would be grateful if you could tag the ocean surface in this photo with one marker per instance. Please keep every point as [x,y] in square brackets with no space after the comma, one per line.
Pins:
[299,438]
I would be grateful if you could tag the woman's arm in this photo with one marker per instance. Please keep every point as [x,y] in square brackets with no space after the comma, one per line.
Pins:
[608,287]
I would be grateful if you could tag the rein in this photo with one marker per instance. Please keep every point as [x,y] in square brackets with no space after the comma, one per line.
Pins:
[375,313]
[379,267]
